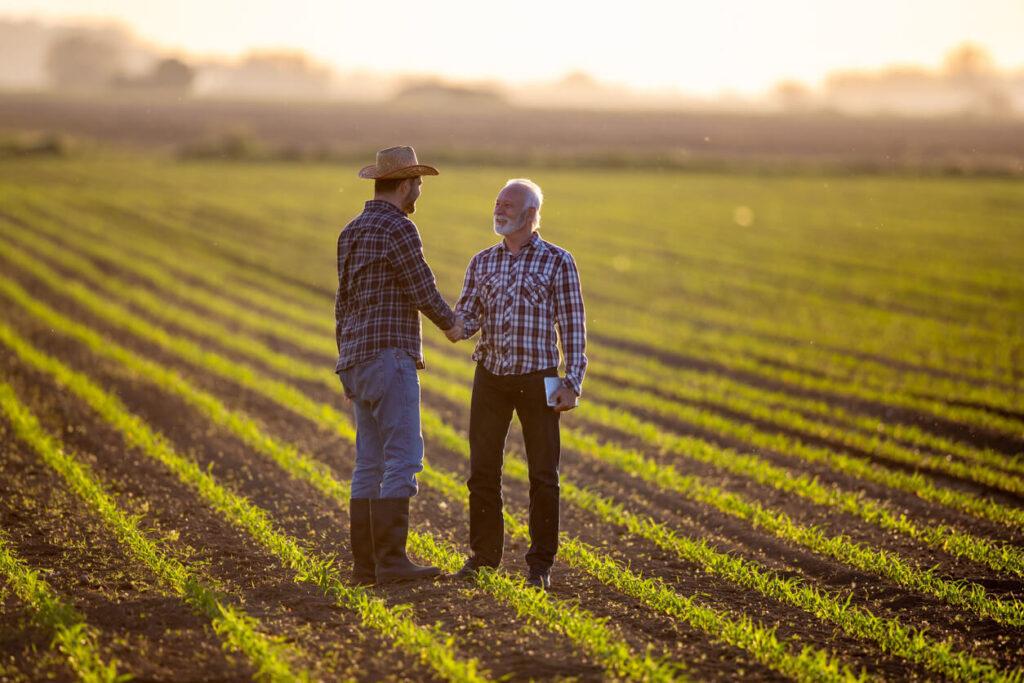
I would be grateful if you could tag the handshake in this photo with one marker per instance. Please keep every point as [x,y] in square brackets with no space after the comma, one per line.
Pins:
[456,332]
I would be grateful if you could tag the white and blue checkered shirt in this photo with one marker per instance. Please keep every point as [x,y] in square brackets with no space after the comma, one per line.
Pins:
[517,302]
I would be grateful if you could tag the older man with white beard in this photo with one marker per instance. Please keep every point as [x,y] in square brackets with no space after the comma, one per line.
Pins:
[518,293]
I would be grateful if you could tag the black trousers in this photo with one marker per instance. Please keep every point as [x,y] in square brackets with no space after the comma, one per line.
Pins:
[494,399]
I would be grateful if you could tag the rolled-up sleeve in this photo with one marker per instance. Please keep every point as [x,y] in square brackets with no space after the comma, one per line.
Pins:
[405,254]
[571,321]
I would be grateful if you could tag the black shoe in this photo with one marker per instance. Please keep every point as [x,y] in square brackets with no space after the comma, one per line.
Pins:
[469,570]
[538,579]
[364,565]
[390,520]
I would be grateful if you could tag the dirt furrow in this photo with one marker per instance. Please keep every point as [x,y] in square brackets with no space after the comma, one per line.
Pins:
[152,632]
[337,643]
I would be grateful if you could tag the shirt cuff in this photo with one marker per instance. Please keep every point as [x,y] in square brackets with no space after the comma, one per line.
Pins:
[471,327]
[444,319]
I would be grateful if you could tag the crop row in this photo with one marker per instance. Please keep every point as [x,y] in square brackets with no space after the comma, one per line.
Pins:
[969,595]
[690,384]
[720,289]
[944,537]
[90,237]
[734,399]
[897,638]
[860,467]
[557,615]
[742,315]
[295,193]
[890,565]
[857,466]
[787,365]
[1001,558]
[262,229]
[741,631]
[427,643]
[321,417]
[709,255]
[71,634]
[728,348]
[240,631]
[891,635]
[764,645]
[956,542]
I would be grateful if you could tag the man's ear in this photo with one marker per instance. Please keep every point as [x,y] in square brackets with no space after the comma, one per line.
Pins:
[531,215]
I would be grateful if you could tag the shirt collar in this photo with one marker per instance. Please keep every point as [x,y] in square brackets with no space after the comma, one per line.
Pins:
[533,243]
[381,205]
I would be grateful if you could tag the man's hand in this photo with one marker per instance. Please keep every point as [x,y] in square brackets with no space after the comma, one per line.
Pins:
[565,399]
[457,331]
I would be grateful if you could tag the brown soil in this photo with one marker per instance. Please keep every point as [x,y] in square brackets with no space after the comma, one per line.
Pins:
[152,632]
[999,442]
[336,642]
[504,648]
[738,537]
[483,628]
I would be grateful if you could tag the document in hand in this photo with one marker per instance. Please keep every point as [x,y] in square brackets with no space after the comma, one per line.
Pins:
[553,384]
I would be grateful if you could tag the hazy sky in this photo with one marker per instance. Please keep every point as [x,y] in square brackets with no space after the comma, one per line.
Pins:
[707,47]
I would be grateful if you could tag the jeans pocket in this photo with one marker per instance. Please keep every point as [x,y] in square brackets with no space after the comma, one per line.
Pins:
[407,374]
[371,379]
[345,386]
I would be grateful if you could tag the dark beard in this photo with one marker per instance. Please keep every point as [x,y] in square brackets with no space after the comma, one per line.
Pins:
[409,205]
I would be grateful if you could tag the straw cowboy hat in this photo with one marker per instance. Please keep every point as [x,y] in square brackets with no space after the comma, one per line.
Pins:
[394,163]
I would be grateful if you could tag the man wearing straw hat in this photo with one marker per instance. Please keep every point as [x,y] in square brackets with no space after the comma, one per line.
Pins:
[383,284]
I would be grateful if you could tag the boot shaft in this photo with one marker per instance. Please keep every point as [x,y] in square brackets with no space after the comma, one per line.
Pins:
[364,563]
[390,523]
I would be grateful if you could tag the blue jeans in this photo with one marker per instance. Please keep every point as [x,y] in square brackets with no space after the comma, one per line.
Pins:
[385,393]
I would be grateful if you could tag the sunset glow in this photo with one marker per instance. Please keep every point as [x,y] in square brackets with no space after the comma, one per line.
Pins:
[744,47]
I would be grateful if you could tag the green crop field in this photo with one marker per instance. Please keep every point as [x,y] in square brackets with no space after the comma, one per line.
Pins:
[799,453]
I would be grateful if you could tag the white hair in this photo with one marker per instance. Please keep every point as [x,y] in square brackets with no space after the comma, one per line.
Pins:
[534,196]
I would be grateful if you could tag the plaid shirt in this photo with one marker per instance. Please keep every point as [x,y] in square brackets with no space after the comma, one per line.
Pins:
[517,302]
[383,281]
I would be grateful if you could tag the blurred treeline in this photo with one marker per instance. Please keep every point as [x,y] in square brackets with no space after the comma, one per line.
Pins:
[107,59]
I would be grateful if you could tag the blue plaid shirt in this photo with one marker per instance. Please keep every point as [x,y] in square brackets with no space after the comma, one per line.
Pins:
[383,283]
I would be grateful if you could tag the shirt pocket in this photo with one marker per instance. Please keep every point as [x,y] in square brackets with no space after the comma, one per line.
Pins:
[491,289]
[536,289]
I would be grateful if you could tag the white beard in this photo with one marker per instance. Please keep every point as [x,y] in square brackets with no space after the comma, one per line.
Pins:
[510,226]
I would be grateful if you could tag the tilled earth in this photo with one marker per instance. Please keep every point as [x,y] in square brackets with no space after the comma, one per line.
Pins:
[156,636]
